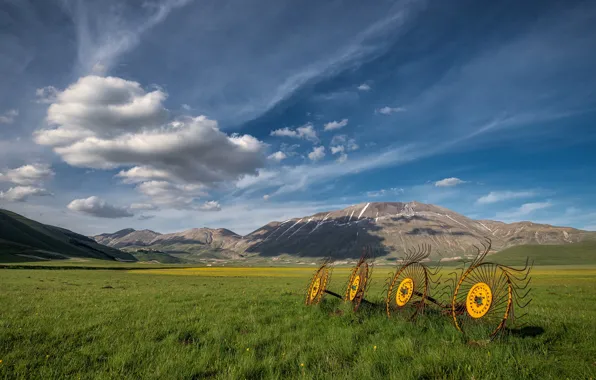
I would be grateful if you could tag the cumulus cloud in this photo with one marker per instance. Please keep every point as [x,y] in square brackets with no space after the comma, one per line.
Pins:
[341,143]
[97,207]
[342,158]
[278,156]
[307,132]
[9,116]
[333,125]
[449,182]
[337,149]
[106,106]
[389,110]
[22,193]
[317,153]
[32,174]
[46,95]
[210,206]
[498,196]
[108,123]
[364,87]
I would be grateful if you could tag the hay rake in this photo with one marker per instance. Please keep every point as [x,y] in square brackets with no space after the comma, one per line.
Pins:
[483,296]
[355,288]
[408,289]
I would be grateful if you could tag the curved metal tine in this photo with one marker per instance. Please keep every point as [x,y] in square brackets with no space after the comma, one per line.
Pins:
[526,304]
[526,267]
[521,278]
[517,295]
[519,287]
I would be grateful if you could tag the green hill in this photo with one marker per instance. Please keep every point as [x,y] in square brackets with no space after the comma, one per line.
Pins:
[23,239]
[569,254]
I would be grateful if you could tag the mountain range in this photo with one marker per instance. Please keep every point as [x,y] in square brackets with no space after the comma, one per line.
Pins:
[391,227]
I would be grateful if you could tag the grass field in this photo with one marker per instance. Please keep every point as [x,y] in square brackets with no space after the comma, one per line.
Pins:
[237,323]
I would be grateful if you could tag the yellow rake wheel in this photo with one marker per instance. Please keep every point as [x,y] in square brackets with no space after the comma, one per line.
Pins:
[318,285]
[408,291]
[482,301]
[357,284]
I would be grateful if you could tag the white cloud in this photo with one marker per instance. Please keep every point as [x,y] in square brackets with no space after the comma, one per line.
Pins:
[107,123]
[278,156]
[210,206]
[449,182]
[98,207]
[317,153]
[298,178]
[523,210]
[498,196]
[306,131]
[33,174]
[46,95]
[339,140]
[106,107]
[186,107]
[266,197]
[383,192]
[9,116]
[352,145]
[21,193]
[337,149]
[169,195]
[144,173]
[333,125]
[364,87]
[104,33]
[342,158]
[143,206]
[389,110]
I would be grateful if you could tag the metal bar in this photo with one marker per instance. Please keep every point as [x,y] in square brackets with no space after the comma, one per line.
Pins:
[333,294]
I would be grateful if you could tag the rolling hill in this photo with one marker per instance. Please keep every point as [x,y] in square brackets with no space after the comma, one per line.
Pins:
[25,239]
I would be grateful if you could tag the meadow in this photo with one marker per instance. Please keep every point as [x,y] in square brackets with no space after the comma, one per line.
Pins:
[251,323]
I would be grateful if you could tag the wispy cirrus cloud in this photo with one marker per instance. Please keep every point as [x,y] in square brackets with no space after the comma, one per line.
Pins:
[522,211]
[499,196]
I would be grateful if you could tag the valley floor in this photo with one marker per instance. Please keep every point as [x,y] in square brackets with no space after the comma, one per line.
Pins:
[251,323]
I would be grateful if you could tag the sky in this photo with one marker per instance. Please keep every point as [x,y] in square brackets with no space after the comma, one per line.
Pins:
[178,114]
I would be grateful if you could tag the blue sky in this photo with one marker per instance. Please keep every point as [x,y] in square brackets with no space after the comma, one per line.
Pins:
[174,114]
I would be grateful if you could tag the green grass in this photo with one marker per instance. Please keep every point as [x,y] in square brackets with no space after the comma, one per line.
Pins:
[115,324]
[570,254]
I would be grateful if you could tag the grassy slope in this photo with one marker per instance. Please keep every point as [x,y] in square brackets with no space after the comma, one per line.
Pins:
[106,324]
[21,235]
[156,256]
[571,254]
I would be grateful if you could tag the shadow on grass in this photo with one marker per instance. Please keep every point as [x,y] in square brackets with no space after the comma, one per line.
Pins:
[527,331]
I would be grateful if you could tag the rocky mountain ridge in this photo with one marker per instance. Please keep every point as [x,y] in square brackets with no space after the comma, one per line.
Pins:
[393,227]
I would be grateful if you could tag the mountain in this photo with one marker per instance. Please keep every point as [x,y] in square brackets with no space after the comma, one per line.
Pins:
[392,227]
[25,238]
[127,237]
[219,243]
